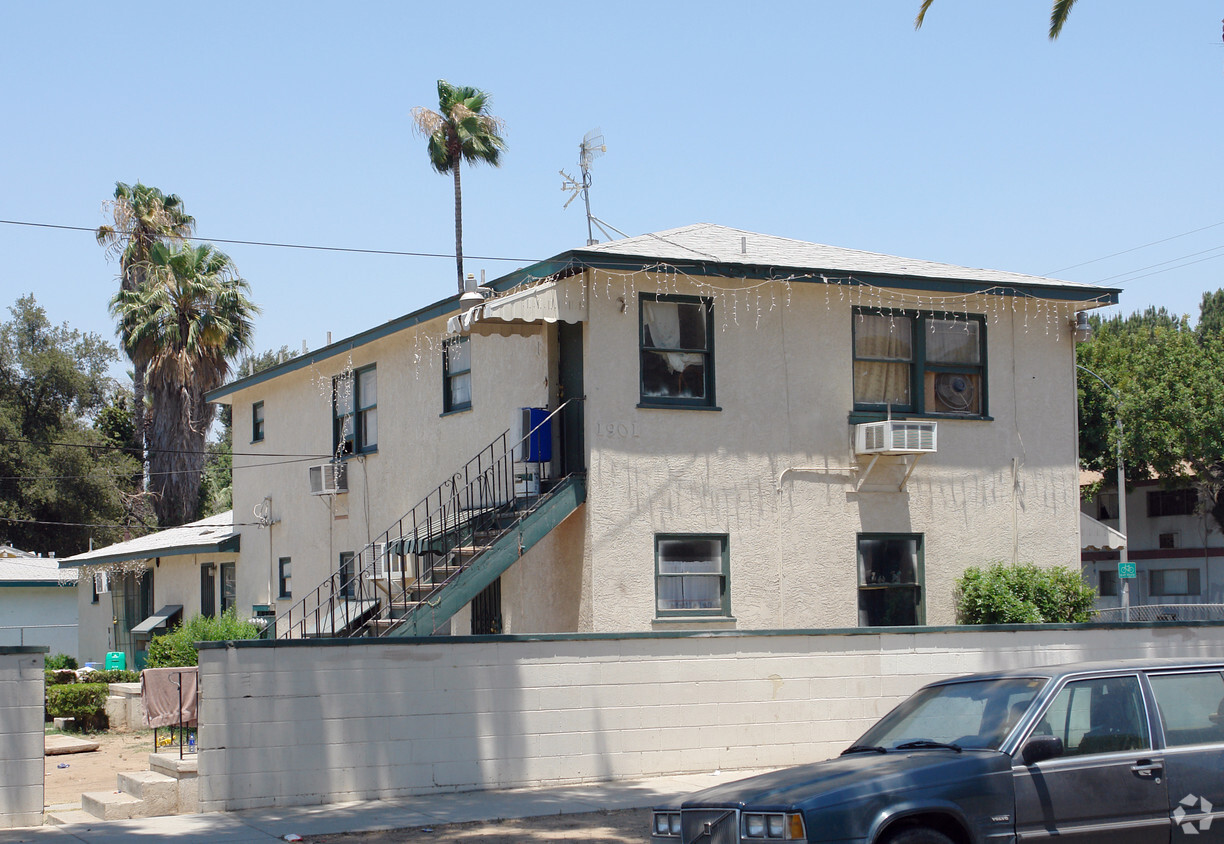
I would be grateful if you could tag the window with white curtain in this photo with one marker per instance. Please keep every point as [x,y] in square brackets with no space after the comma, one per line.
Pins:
[691,575]
[916,363]
[456,374]
[676,336]
[1173,582]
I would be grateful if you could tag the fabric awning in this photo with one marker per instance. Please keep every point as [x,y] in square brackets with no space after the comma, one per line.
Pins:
[1096,536]
[158,619]
[547,302]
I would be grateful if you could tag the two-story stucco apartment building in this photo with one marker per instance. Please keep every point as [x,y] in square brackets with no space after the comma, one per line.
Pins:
[739,431]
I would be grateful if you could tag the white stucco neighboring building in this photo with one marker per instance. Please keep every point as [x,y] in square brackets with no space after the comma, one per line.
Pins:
[712,449]
[38,604]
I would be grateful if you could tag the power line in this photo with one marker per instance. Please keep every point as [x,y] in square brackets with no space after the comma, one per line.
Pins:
[205,452]
[288,245]
[11,520]
[1134,249]
[115,475]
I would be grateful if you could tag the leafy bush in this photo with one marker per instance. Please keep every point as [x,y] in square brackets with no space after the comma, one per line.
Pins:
[1022,594]
[59,676]
[86,702]
[177,647]
[60,661]
[114,675]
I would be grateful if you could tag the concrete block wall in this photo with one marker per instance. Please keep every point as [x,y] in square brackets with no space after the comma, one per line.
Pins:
[292,723]
[21,736]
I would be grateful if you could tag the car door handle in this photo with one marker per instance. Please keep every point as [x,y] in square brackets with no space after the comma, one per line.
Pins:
[1146,768]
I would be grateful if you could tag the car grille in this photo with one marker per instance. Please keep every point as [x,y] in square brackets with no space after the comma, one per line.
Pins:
[709,826]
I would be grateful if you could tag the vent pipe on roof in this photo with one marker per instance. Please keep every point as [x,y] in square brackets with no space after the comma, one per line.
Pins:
[743,245]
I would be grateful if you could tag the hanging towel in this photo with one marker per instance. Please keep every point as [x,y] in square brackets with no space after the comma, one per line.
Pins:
[159,696]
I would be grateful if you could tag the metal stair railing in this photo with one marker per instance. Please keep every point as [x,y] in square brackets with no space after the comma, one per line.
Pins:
[422,551]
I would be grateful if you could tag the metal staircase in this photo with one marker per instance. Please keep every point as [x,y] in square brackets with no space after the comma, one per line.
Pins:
[441,553]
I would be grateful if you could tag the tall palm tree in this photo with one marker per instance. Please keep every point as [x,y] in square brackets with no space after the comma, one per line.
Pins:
[460,130]
[189,320]
[143,216]
[1058,15]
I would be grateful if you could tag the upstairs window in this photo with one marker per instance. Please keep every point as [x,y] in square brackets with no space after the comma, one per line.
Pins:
[257,422]
[919,364]
[456,375]
[355,412]
[676,339]
[1172,502]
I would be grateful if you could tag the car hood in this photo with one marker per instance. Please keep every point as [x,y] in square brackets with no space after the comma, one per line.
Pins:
[858,776]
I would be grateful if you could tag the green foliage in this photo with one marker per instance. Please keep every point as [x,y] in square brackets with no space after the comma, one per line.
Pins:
[59,676]
[55,479]
[177,647]
[1022,594]
[86,702]
[115,675]
[60,661]
[1168,378]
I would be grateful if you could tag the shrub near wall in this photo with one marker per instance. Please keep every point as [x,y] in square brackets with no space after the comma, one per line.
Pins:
[84,702]
[177,648]
[1023,594]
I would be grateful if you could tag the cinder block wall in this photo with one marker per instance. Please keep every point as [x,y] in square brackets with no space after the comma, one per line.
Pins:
[291,723]
[21,736]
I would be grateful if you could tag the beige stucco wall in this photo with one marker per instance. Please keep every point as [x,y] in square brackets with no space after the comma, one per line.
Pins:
[291,723]
[784,386]
[94,622]
[418,448]
[773,468]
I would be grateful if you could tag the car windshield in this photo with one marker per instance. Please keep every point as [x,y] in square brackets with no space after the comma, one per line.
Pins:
[973,714]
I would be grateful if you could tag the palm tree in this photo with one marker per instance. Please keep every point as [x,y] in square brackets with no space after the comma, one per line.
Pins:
[143,216]
[189,320]
[1058,15]
[460,130]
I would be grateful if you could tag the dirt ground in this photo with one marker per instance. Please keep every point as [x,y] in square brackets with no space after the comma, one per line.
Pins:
[95,770]
[629,826]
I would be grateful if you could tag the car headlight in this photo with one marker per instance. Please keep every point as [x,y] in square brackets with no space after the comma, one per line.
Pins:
[774,826]
[667,823]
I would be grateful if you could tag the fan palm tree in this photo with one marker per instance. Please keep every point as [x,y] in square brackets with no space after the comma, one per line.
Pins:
[460,130]
[188,321]
[143,216]
[1058,15]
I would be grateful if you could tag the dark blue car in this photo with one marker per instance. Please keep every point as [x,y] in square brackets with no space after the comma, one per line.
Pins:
[1117,753]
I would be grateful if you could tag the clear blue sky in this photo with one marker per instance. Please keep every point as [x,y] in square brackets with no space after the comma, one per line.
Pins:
[974,141]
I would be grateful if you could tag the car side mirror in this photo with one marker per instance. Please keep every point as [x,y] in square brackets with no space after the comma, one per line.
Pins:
[1039,748]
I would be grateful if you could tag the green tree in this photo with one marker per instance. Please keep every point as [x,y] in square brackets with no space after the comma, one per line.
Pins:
[59,474]
[1169,379]
[142,216]
[1058,15]
[460,130]
[189,321]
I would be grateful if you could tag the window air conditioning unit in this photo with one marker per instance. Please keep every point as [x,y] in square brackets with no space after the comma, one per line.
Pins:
[328,478]
[895,436]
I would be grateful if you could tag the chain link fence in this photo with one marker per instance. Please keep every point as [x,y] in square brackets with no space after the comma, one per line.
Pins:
[1163,612]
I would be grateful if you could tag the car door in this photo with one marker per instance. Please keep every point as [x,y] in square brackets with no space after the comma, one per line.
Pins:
[1108,785]
[1191,708]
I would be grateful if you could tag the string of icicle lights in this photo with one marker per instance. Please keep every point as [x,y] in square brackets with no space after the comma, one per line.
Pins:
[749,301]
[746,303]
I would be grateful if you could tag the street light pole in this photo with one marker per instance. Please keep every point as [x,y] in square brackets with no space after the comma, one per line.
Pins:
[1122,558]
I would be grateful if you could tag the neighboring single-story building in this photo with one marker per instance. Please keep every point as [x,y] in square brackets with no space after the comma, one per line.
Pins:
[38,602]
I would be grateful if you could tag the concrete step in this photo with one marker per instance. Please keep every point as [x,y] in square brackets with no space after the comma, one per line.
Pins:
[157,792]
[55,816]
[111,805]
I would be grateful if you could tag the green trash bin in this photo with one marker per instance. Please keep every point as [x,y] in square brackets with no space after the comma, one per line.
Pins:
[116,661]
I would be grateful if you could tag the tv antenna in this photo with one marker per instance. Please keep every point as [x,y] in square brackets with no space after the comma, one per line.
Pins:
[592,147]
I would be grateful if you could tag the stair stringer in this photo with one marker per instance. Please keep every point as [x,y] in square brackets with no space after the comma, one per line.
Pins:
[493,562]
